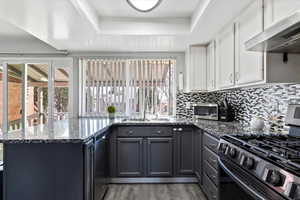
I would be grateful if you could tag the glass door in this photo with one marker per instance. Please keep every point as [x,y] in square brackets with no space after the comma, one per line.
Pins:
[15,90]
[61,89]
[32,92]
[26,94]
[37,93]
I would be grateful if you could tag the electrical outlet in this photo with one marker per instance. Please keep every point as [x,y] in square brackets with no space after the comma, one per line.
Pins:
[188,105]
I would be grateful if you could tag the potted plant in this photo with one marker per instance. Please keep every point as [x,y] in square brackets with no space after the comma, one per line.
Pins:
[111,112]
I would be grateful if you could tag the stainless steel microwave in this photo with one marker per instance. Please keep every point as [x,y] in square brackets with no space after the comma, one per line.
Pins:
[293,115]
[206,111]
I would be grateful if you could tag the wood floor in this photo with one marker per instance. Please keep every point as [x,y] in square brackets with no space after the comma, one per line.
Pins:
[154,192]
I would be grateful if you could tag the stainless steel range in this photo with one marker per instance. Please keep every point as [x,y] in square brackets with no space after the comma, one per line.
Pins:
[266,166]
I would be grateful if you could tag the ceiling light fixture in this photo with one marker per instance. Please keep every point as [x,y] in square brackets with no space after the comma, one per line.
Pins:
[144,5]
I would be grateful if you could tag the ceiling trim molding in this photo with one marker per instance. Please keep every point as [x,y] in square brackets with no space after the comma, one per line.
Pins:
[84,8]
[144,26]
[199,13]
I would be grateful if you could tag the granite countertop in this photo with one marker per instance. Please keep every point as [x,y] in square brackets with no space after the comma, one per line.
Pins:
[83,129]
[218,129]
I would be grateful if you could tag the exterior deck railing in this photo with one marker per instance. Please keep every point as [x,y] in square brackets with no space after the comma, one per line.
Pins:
[34,120]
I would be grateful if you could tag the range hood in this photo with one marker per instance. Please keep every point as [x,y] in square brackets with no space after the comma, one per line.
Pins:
[282,37]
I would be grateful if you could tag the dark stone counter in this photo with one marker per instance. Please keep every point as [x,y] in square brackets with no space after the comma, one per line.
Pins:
[83,129]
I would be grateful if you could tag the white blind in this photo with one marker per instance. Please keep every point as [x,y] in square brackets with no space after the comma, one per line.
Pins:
[131,85]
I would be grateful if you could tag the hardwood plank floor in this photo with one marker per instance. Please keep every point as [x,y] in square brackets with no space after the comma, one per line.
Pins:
[154,192]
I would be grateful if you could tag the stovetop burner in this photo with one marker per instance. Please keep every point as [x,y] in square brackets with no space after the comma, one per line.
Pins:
[283,150]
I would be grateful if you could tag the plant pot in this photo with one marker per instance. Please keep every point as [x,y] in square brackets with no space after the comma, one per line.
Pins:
[111,115]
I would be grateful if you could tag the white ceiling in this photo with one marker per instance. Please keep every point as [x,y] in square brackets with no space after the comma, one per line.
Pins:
[9,31]
[111,25]
[168,8]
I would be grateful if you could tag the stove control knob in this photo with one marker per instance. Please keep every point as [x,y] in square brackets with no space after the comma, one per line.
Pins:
[292,190]
[250,163]
[232,152]
[275,178]
[223,147]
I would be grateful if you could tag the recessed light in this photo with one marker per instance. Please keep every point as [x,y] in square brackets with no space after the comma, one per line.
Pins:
[144,5]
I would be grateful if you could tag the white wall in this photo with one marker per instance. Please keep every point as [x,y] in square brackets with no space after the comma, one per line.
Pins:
[24,45]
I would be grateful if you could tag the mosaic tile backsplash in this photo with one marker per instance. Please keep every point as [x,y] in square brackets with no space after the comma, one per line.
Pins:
[247,103]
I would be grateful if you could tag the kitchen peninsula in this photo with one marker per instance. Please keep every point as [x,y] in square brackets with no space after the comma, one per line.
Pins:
[76,158]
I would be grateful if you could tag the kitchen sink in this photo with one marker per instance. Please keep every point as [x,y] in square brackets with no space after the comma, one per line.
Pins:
[146,120]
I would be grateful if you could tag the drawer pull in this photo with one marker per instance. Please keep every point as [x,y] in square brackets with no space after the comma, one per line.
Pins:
[130,132]
[180,129]
[213,160]
[158,132]
[174,129]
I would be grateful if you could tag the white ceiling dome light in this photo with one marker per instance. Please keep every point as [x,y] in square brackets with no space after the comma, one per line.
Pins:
[144,5]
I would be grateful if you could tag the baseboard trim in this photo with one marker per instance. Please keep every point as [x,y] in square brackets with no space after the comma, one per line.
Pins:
[153,180]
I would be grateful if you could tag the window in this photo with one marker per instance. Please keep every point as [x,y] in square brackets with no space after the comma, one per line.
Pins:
[131,85]
[36,92]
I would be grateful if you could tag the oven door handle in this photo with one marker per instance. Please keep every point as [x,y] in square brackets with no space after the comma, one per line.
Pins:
[243,184]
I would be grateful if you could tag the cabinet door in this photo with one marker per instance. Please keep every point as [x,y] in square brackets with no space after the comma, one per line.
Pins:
[198,155]
[197,68]
[276,10]
[249,65]
[101,167]
[225,46]
[211,66]
[130,157]
[185,151]
[160,157]
[89,170]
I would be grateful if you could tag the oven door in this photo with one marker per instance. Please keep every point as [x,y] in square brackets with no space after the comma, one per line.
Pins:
[250,184]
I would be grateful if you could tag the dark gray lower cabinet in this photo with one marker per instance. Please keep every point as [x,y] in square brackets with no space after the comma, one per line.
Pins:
[198,155]
[211,169]
[159,157]
[101,167]
[130,157]
[89,170]
[47,171]
[184,150]
[155,151]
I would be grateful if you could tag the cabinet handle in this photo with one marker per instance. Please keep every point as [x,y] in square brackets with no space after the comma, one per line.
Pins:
[230,78]
[213,145]
[180,129]
[130,132]
[213,160]
[237,76]
[174,129]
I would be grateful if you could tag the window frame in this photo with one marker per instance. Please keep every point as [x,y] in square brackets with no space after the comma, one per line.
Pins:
[53,63]
[82,76]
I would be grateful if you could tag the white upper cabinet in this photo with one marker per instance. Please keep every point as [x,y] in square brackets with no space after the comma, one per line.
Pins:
[211,66]
[225,58]
[276,10]
[249,65]
[196,69]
